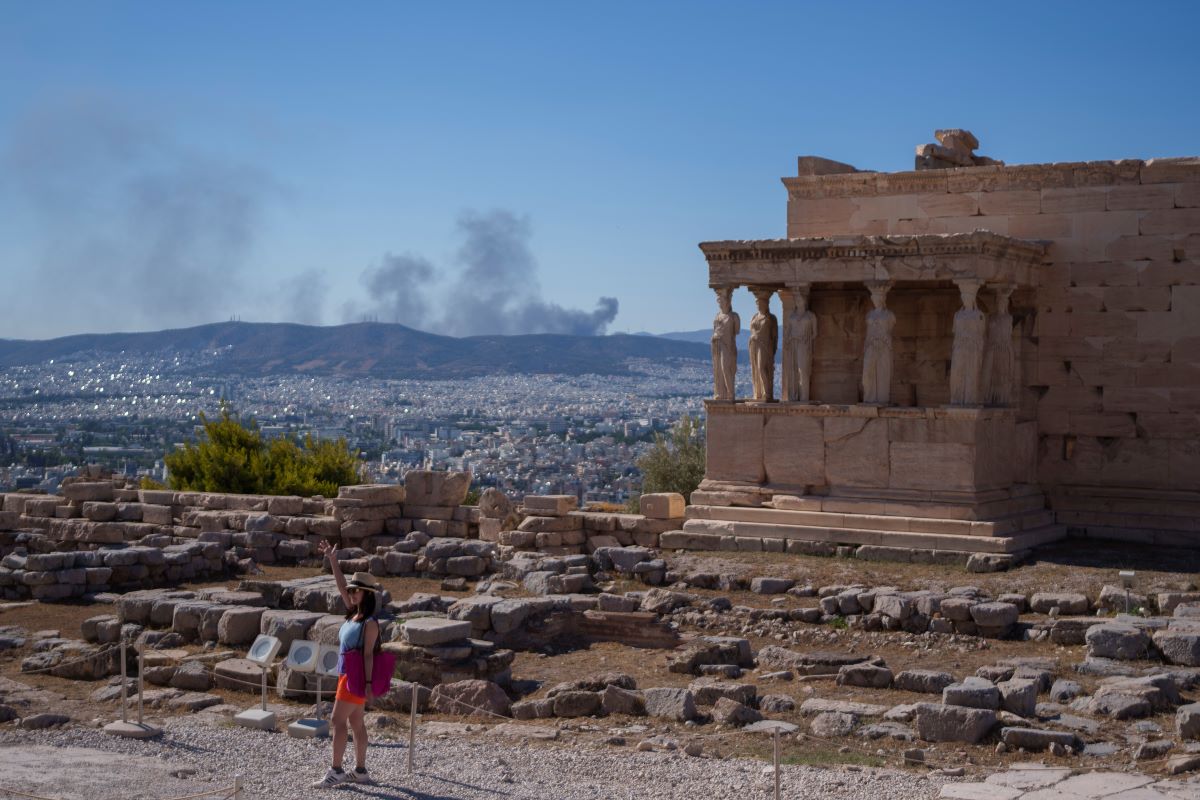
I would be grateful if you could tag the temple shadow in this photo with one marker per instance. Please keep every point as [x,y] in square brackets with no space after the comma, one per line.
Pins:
[1103,554]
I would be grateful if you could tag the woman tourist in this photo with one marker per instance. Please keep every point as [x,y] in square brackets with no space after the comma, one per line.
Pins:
[360,632]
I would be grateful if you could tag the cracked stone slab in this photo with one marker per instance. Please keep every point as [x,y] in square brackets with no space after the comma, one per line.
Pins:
[1177,790]
[978,791]
[1103,784]
[818,705]
[1029,777]
[1140,793]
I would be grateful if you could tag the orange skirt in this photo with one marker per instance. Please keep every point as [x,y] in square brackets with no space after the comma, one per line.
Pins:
[344,694]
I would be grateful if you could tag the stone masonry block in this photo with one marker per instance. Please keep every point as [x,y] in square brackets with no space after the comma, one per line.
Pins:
[1171,221]
[1012,202]
[735,448]
[664,505]
[434,631]
[553,505]
[794,451]
[855,451]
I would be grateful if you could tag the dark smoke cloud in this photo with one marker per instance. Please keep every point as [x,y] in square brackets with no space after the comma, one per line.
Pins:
[397,291]
[135,231]
[302,298]
[495,291]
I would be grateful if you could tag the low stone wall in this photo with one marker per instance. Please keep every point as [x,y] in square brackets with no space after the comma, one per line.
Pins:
[267,529]
[73,574]
[553,525]
[153,538]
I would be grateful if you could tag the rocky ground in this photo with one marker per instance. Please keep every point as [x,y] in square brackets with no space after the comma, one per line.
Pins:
[864,677]
[203,754]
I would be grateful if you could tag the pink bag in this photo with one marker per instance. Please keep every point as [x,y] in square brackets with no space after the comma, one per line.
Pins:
[381,674]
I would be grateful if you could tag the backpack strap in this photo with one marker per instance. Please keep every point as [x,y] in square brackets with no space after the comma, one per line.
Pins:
[362,635]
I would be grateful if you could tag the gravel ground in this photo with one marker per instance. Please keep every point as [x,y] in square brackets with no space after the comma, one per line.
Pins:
[199,755]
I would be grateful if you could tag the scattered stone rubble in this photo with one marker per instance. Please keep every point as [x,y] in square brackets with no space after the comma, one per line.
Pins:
[459,651]
[955,148]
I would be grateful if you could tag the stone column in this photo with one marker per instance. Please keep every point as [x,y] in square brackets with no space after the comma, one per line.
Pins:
[877,350]
[966,359]
[799,331]
[999,358]
[726,328]
[764,339]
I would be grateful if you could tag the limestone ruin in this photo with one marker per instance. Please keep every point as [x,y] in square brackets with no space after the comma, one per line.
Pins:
[1001,356]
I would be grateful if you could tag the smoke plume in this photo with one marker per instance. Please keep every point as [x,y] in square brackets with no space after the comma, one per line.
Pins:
[302,298]
[494,290]
[134,230]
[397,288]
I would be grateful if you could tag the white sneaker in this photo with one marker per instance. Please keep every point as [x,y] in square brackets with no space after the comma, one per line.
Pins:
[361,776]
[333,778]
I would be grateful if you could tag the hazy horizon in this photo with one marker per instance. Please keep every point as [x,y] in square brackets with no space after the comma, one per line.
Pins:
[132,331]
[483,168]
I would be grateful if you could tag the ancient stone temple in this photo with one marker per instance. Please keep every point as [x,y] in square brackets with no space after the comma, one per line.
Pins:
[975,357]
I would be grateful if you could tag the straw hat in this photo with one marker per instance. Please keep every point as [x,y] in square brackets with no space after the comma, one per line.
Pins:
[363,580]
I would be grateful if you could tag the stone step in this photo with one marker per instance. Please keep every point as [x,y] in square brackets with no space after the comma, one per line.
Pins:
[980,511]
[826,519]
[857,536]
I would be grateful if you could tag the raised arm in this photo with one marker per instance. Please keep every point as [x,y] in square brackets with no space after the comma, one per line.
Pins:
[327,550]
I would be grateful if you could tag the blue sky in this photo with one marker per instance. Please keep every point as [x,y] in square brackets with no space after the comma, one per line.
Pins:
[176,163]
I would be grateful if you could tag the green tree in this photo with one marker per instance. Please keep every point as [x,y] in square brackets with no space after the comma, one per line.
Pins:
[333,464]
[676,462]
[232,457]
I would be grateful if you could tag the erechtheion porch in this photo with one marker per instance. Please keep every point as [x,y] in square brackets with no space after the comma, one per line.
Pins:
[895,415]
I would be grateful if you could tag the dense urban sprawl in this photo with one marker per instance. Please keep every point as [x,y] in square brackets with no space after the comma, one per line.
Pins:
[559,434]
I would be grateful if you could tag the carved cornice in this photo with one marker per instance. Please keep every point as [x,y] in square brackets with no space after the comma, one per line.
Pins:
[862,247]
[982,255]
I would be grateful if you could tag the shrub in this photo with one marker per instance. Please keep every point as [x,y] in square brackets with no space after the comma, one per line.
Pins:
[675,463]
[232,457]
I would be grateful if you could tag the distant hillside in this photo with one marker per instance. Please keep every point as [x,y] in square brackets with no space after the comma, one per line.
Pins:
[704,336]
[372,349]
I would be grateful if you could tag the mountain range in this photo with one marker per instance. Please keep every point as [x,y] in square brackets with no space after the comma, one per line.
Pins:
[374,349]
[704,335]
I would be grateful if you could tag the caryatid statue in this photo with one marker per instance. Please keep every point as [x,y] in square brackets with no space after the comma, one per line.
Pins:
[799,331]
[966,358]
[764,336]
[726,327]
[999,357]
[877,351]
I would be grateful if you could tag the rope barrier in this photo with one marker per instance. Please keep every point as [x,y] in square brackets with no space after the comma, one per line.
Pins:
[230,793]
[457,702]
[80,660]
[23,794]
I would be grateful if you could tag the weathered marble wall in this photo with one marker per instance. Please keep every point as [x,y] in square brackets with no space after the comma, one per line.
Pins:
[1110,355]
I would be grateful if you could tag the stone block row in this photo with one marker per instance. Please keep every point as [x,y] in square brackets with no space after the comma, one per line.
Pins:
[51,576]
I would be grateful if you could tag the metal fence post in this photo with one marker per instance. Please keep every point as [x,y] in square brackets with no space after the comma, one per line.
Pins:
[141,681]
[412,727]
